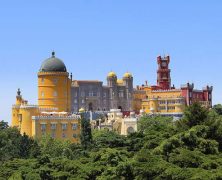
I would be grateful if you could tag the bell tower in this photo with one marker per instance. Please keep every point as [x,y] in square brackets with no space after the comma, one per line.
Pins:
[163,72]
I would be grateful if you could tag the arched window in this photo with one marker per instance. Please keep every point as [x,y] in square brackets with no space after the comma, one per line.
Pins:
[55,93]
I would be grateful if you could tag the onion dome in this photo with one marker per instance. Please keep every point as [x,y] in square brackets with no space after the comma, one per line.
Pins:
[112,74]
[81,110]
[119,81]
[53,64]
[127,75]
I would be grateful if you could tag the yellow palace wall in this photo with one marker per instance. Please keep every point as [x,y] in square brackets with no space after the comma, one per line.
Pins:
[53,126]
[54,89]
[163,101]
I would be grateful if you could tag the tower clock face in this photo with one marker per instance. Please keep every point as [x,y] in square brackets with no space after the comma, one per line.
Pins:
[164,64]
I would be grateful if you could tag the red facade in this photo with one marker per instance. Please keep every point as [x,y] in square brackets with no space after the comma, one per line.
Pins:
[190,94]
[163,72]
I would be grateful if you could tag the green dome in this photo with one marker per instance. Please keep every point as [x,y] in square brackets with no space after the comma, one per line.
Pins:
[53,64]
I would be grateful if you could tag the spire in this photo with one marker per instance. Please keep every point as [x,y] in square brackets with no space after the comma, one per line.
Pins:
[53,54]
[71,77]
[18,92]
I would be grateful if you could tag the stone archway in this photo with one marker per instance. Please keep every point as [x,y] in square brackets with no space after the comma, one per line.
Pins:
[90,106]
[130,130]
[120,107]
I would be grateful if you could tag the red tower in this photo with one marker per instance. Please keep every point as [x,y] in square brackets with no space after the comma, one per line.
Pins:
[163,72]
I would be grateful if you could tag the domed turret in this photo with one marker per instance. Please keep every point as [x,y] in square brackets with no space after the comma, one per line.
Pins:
[53,64]
[119,81]
[81,110]
[54,85]
[112,74]
[127,75]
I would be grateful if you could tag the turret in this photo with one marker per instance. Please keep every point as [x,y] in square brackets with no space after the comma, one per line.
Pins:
[128,82]
[112,84]
[207,91]
[54,85]
[18,97]
[163,72]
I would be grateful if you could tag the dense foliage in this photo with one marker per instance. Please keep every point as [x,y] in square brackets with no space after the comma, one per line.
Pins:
[190,148]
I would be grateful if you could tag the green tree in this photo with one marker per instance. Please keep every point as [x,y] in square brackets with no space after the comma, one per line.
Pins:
[15,145]
[86,134]
[218,108]
[195,114]
[106,138]
[3,125]
[54,147]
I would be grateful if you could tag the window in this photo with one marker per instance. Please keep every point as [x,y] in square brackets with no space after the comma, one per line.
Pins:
[190,94]
[53,126]
[98,94]
[75,94]
[171,102]
[42,94]
[82,94]
[162,107]
[64,126]
[63,135]
[171,107]
[90,94]
[74,126]
[42,80]
[121,94]
[209,96]
[74,136]
[53,135]
[43,126]
[55,93]
[83,101]
[55,81]
[162,102]
[75,101]
[104,94]
[20,117]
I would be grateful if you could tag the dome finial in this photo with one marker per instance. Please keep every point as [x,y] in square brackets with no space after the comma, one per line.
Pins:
[53,53]
[18,92]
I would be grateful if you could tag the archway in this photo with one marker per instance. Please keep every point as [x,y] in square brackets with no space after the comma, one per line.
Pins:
[120,107]
[130,130]
[90,108]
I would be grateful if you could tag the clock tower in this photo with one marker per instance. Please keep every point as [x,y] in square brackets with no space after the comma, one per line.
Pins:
[163,72]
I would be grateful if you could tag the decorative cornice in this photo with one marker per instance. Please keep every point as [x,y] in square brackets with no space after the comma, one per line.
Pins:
[53,74]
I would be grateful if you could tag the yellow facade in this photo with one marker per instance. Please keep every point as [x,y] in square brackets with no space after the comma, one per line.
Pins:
[162,101]
[57,126]
[22,114]
[52,116]
[138,96]
[54,90]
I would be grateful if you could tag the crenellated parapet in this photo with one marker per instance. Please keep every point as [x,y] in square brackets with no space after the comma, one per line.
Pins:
[53,73]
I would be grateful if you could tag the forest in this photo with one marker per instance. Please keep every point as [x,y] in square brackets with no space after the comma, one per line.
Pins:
[189,148]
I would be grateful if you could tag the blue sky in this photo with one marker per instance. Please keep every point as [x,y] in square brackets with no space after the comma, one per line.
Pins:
[93,37]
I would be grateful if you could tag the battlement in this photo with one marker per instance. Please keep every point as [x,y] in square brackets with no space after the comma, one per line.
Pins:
[53,117]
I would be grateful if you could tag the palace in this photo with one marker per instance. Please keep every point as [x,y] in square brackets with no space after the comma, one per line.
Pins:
[59,97]
[165,99]
[93,96]
[52,115]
